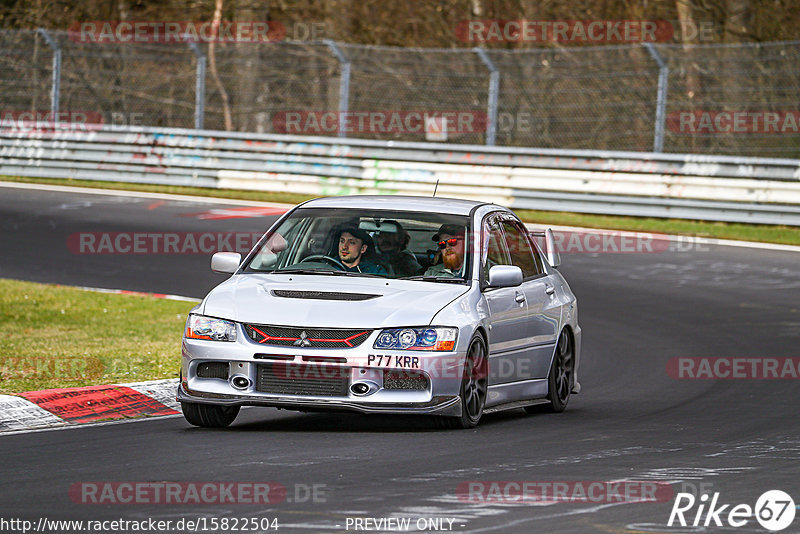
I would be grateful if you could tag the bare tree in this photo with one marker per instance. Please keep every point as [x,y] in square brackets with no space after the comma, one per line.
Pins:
[688,27]
[212,63]
[247,66]
[738,20]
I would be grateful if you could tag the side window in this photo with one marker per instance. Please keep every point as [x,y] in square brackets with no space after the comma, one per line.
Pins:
[495,251]
[522,255]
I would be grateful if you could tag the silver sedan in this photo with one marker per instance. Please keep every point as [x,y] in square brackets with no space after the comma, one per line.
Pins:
[385,304]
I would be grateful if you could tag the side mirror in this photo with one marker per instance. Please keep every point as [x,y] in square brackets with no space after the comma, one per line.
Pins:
[553,255]
[505,276]
[225,262]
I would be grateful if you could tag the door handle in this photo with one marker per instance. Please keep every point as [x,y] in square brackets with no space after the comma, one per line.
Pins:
[520,297]
[549,290]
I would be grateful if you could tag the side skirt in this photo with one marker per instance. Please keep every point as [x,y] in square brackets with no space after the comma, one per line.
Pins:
[526,392]
[514,405]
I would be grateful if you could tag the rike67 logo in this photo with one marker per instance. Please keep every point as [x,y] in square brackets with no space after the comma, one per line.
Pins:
[774,511]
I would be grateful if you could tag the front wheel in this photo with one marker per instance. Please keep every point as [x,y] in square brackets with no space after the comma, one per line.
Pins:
[209,415]
[474,386]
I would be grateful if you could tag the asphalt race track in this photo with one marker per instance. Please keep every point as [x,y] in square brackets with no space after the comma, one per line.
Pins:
[631,422]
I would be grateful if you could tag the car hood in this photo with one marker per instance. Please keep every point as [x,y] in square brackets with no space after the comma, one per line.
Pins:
[254,298]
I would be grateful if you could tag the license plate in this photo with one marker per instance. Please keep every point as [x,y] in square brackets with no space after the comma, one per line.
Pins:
[388,360]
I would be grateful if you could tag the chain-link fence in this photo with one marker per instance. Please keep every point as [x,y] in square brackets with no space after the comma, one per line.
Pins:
[720,99]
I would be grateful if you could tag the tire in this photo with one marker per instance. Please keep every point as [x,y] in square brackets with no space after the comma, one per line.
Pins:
[561,375]
[209,415]
[474,386]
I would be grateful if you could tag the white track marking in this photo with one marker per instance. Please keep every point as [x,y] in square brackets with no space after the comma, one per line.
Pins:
[161,390]
[17,413]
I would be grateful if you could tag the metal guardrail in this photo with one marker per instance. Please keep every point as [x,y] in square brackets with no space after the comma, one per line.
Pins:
[718,188]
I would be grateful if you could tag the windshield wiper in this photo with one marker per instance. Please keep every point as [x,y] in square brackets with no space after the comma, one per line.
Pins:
[356,273]
[302,271]
[434,279]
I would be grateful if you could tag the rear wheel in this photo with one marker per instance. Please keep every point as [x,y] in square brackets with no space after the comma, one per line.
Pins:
[209,415]
[474,385]
[560,378]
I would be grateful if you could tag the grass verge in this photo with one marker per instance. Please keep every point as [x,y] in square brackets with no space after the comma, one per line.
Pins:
[57,336]
[789,235]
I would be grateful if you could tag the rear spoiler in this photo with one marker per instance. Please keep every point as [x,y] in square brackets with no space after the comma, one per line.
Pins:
[550,248]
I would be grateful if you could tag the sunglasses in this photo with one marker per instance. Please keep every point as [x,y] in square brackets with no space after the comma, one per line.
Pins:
[453,241]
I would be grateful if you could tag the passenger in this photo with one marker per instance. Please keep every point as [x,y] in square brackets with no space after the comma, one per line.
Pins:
[394,249]
[353,246]
[451,241]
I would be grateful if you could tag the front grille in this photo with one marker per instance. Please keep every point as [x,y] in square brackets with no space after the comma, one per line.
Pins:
[213,370]
[285,336]
[408,380]
[292,379]
[322,295]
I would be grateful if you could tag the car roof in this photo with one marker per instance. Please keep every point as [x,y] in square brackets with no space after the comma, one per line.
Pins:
[451,206]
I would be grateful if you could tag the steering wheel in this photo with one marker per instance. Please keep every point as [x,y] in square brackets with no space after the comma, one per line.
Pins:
[333,261]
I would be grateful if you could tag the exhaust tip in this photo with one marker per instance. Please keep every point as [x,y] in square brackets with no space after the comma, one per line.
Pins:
[363,388]
[240,382]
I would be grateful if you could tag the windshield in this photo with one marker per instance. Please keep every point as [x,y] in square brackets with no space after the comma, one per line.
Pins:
[389,244]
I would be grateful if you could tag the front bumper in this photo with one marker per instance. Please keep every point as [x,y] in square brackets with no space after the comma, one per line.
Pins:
[448,406]
[243,358]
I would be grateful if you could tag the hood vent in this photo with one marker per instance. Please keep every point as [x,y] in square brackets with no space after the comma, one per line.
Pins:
[322,295]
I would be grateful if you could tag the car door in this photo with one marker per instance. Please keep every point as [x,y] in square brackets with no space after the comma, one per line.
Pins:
[508,310]
[543,308]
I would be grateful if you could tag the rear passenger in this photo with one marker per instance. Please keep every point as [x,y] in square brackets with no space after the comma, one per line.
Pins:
[392,240]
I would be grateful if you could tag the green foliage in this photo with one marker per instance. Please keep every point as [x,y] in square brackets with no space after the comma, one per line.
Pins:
[63,337]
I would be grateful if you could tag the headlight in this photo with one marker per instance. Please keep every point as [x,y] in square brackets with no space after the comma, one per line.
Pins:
[201,327]
[422,338]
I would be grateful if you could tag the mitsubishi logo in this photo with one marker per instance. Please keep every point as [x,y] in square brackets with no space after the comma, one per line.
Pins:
[303,341]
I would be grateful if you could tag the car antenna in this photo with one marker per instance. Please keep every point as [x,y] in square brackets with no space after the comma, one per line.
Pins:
[436,187]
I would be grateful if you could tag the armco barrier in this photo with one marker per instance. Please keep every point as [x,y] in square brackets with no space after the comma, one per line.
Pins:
[722,188]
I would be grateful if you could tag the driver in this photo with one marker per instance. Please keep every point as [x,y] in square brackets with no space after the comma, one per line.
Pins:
[353,245]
